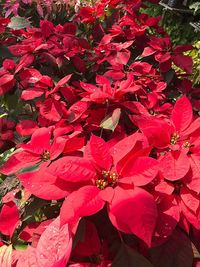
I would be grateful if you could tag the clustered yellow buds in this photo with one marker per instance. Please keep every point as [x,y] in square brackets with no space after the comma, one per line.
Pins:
[106,179]
[45,155]
[186,144]
[174,138]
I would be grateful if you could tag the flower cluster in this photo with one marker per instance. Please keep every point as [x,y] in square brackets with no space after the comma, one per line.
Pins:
[107,144]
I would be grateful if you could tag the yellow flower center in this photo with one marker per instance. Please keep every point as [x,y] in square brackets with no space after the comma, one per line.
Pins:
[106,178]
[45,155]
[174,138]
[186,144]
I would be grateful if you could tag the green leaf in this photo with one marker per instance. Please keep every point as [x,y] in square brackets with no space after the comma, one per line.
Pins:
[130,258]
[111,121]
[20,245]
[4,52]
[169,76]
[18,23]
[32,207]
[29,168]
[5,155]
[176,252]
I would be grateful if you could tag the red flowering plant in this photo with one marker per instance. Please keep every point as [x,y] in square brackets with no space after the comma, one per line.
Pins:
[100,143]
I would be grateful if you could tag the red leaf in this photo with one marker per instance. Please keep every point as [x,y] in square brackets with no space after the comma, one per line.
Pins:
[53,249]
[61,83]
[28,258]
[9,218]
[174,165]
[18,161]
[123,147]
[190,199]
[183,62]
[43,184]
[54,246]
[74,143]
[26,127]
[168,217]
[34,229]
[182,114]
[30,76]
[70,28]
[194,177]
[97,150]
[73,169]
[90,245]
[40,141]
[77,110]
[139,171]
[195,125]
[79,63]
[121,58]
[148,51]
[153,130]
[6,79]
[183,48]
[83,202]
[134,212]
[47,28]
[51,110]
[31,93]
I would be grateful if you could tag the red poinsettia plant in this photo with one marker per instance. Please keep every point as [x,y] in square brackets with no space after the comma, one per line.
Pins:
[100,142]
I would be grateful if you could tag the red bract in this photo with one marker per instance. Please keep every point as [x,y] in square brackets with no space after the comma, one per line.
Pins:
[57,253]
[161,49]
[106,177]
[3,23]
[9,73]
[39,149]
[179,129]
[26,127]
[9,218]
[6,134]
[177,201]
[90,245]
[33,232]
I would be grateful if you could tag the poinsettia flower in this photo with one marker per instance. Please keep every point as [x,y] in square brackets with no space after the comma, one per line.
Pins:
[176,164]
[39,149]
[163,52]
[179,129]
[177,198]
[10,69]
[39,88]
[93,180]
[106,91]
[114,53]
[130,170]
